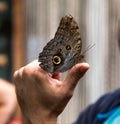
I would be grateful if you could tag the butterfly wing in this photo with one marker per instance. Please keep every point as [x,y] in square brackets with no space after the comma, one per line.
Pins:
[60,53]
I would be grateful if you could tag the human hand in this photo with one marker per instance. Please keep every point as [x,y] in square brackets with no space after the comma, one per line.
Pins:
[43,96]
[8,101]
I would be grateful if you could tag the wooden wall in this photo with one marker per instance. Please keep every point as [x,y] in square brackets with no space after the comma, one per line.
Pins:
[19,43]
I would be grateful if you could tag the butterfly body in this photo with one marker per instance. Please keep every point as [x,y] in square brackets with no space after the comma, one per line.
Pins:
[64,50]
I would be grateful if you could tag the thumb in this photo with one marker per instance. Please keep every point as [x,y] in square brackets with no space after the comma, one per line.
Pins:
[74,74]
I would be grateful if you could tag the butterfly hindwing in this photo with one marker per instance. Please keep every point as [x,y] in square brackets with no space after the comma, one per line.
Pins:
[59,53]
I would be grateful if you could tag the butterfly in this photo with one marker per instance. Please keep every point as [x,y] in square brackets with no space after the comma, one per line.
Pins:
[64,50]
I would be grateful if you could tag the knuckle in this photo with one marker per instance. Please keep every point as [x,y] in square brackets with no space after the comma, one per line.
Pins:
[18,74]
[25,71]
[15,74]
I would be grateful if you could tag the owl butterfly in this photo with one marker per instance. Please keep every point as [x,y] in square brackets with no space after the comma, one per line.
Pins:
[64,50]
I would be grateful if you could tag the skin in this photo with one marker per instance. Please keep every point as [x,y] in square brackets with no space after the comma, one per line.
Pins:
[8,100]
[43,96]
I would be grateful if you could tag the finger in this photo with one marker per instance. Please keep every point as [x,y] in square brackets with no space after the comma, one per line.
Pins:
[33,65]
[17,76]
[74,75]
[33,68]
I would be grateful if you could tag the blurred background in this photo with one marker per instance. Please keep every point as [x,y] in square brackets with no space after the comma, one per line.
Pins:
[27,25]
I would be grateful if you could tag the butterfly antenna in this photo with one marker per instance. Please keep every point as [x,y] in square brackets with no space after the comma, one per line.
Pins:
[88,48]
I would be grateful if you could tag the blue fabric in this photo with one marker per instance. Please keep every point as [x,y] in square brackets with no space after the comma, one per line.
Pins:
[114,118]
[103,116]
[104,104]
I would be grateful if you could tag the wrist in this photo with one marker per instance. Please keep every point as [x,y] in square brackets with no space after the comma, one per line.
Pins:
[39,121]
[40,118]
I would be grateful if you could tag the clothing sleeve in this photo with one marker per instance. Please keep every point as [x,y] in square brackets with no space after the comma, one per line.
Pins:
[104,104]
